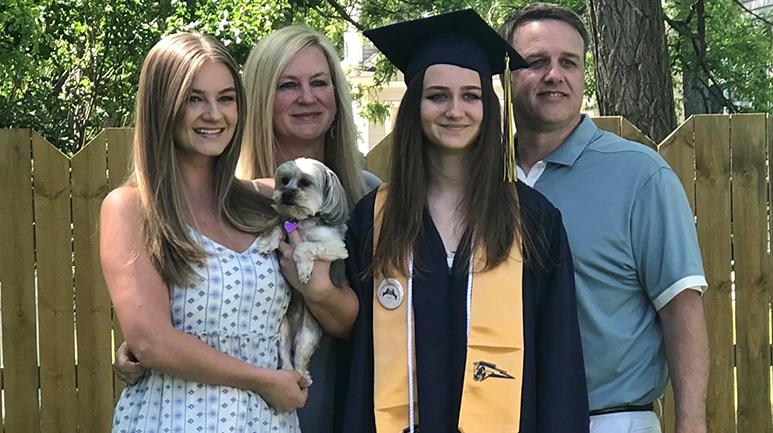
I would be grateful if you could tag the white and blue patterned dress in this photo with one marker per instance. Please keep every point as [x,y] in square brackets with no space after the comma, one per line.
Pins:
[235,308]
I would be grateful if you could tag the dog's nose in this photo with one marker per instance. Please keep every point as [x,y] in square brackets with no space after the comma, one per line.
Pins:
[288,197]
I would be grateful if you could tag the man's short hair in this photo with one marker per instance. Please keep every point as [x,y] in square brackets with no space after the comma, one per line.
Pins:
[539,12]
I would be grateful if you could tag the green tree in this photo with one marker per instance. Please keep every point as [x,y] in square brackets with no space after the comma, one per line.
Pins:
[70,68]
[724,54]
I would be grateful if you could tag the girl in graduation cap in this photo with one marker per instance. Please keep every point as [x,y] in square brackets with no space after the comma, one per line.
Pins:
[467,319]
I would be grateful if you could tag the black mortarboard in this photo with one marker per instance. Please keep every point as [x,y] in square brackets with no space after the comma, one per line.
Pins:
[458,38]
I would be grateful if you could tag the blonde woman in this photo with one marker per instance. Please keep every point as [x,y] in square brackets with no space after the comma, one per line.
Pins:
[178,251]
[295,84]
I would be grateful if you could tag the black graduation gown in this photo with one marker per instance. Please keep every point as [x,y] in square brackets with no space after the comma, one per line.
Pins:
[554,397]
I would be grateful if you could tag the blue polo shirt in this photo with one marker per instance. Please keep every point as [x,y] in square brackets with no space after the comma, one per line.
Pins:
[634,248]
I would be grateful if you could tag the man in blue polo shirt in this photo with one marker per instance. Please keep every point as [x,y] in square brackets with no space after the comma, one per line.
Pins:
[638,268]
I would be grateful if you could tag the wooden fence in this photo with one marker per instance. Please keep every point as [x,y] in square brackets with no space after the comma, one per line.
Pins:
[56,316]
[58,334]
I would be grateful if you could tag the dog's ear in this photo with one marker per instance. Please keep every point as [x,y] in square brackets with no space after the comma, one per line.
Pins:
[335,206]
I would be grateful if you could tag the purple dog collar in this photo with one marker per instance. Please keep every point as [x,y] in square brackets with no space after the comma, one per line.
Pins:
[290,226]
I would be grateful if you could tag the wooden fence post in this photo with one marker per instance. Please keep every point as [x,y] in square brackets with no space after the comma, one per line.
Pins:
[53,238]
[712,167]
[20,378]
[749,195]
[95,378]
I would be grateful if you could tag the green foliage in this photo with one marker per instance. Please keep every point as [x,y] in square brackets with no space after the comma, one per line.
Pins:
[69,68]
[739,52]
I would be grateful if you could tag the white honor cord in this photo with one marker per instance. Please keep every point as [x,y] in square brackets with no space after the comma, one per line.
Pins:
[411,390]
[469,290]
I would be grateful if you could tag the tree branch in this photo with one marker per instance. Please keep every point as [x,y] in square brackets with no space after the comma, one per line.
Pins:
[681,26]
[370,6]
[716,92]
[415,3]
[698,42]
[752,13]
[345,15]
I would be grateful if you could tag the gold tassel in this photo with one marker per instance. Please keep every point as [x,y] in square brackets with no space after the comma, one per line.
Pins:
[509,125]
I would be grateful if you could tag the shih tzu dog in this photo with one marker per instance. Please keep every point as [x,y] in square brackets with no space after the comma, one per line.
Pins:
[308,197]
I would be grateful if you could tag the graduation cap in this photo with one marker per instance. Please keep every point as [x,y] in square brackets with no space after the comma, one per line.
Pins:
[460,38]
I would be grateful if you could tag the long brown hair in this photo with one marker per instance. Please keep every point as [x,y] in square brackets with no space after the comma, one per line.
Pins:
[490,207]
[264,65]
[166,78]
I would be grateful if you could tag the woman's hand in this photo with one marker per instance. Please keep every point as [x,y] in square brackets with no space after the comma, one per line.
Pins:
[126,366]
[335,308]
[286,391]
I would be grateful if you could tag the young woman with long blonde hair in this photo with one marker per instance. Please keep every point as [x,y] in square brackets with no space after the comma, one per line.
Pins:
[199,304]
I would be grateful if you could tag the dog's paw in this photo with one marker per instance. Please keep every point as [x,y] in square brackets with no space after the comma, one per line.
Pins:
[270,241]
[307,375]
[304,270]
[335,251]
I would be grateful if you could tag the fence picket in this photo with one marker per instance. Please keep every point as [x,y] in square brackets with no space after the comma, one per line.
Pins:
[712,148]
[609,123]
[749,197]
[95,384]
[678,149]
[20,379]
[631,132]
[768,270]
[378,158]
[55,289]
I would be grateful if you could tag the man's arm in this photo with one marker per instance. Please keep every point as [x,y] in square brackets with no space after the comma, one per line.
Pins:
[687,352]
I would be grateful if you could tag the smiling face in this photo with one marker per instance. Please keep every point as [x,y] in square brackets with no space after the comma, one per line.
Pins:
[548,94]
[210,114]
[305,101]
[451,106]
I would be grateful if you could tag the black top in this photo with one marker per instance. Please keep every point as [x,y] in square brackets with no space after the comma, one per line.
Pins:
[554,398]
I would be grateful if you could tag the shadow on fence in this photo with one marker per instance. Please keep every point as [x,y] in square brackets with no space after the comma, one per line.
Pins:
[58,333]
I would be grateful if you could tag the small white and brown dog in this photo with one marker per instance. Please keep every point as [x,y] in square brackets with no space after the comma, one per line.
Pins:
[308,197]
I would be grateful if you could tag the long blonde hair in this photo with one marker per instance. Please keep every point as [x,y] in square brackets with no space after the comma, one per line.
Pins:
[167,75]
[265,64]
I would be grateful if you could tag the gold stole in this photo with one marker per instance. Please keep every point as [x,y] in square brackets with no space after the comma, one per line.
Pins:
[490,403]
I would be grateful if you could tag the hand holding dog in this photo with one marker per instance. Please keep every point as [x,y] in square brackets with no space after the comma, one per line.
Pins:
[286,391]
[334,307]
[319,286]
